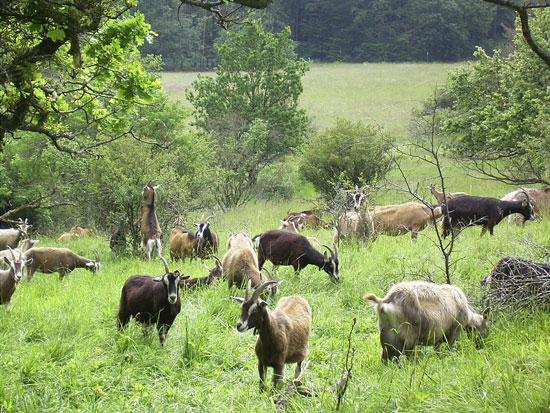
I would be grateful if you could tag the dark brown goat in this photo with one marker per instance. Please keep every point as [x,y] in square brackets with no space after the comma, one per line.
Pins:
[213,274]
[287,248]
[151,300]
[62,260]
[206,242]
[471,210]
[150,228]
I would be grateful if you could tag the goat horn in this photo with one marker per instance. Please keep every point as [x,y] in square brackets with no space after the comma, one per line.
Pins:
[328,248]
[248,285]
[96,253]
[260,289]
[218,262]
[165,264]
[206,266]
[12,254]
[268,273]
[206,220]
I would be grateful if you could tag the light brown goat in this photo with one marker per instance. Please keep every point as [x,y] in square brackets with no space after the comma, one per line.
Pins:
[75,232]
[61,260]
[9,278]
[150,228]
[283,334]
[182,244]
[399,219]
[240,262]
[449,195]
[355,224]
[421,313]
[539,198]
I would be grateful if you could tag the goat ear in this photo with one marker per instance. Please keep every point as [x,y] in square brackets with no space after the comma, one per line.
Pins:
[262,303]
[197,224]
[325,256]
[157,279]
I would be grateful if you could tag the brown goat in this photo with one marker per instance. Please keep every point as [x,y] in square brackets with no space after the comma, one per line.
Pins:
[306,219]
[291,227]
[403,218]
[449,195]
[75,232]
[150,228]
[182,244]
[61,260]
[240,262]
[213,274]
[539,198]
[418,312]
[9,278]
[283,334]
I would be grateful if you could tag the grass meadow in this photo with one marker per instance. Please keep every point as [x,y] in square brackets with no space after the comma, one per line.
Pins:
[60,349]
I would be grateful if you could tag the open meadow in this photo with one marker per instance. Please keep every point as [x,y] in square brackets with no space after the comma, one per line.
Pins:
[60,349]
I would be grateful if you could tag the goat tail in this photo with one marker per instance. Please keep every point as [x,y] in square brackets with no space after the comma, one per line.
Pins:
[373,299]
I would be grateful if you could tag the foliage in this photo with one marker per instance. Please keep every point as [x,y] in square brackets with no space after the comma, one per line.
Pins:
[71,71]
[499,111]
[250,108]
[346,154]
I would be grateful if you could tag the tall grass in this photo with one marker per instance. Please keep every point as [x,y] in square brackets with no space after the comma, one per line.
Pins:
[60,348]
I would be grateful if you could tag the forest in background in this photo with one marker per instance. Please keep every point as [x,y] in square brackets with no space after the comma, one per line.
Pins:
[345,31]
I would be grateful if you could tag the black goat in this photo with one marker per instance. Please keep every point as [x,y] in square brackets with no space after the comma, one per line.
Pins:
[471,210]
[288,248]
[151,300]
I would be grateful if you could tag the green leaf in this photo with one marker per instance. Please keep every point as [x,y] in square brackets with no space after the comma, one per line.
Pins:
[57,34]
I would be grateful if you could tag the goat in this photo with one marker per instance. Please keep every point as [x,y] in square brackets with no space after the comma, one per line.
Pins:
[62,260]
[358,197]
[356,224]
[75,232]
[291,226]
[402,218]
[449,195]
[117,243]
[474,210]
[213,274]
[283,334]
[539,198]
[240,262]
[151,300]
[182,244]
[10,237]
[206,243]
[306,218]
[10,277]
[150,229]
[25,245]
[287,248]
[421,313]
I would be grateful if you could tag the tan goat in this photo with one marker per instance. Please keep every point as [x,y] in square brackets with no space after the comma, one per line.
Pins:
[399,219]
[439,195]
[421,313]
[182,244]
[355,224]
[539,198]
[150,228]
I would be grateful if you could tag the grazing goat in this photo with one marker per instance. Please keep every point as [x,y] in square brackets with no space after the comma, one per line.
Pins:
[10,277]
[240,262]
[10,237]
[539,198]
[62,260]
[150,229]
[182,244]
[290,226]
[213,274]
[206,242]
[421,313]
[403,218]
[474,210]
[449,195]
[283,334]
[354,224]
[151,300]
[287,248]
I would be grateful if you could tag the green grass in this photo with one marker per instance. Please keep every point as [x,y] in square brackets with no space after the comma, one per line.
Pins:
[60,349]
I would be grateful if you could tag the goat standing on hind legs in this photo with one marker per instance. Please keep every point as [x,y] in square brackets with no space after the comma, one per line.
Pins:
[150,229]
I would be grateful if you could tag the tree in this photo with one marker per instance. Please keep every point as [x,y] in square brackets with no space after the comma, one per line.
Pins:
[346,154]
[499,113]
[250,108]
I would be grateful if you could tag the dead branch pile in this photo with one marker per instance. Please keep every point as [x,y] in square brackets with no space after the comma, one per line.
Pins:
[516,283]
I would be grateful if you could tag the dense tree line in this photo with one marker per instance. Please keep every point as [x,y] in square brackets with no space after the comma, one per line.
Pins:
[349,31]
